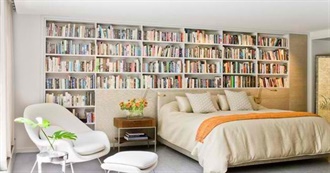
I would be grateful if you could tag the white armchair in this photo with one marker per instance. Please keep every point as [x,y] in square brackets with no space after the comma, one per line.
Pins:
[89,145]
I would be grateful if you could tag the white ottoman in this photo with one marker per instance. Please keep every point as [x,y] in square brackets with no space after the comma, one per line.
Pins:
[131,162]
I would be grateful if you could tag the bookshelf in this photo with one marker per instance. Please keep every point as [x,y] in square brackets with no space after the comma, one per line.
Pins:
[82,57]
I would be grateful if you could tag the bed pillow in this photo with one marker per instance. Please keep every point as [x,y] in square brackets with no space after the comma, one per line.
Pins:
[223,102]
[215,102]
[201,103]
[238,100]
[184,104]
[255,106]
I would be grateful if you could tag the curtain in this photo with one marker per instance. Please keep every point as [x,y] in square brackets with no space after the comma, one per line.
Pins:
[6,75]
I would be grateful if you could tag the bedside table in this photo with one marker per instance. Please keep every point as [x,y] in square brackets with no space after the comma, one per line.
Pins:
[123,123]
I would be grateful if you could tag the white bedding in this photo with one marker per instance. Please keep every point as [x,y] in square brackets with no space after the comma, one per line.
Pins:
[244,141]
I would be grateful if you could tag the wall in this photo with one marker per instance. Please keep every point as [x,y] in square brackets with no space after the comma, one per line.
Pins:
[298,72]
[28,75]
[29,80]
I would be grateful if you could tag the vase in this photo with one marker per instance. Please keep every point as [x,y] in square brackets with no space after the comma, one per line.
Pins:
[137,113]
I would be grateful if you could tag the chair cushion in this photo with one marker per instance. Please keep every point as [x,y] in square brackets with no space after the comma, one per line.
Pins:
[139,159]
[85,145]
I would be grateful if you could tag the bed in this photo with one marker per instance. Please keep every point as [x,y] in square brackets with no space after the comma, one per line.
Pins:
[240,143]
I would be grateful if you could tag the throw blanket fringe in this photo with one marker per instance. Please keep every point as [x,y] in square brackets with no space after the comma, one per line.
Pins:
[209,124]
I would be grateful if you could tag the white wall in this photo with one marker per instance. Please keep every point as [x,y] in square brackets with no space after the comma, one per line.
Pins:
[28,76]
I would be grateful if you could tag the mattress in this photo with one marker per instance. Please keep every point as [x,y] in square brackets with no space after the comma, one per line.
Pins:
[244,141]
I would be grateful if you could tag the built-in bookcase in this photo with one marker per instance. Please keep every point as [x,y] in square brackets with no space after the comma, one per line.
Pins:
[82,57]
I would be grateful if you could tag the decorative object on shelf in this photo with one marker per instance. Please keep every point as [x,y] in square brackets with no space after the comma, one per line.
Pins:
[258,99]
[43,124]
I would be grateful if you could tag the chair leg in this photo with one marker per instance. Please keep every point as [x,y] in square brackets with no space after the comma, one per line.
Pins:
[101,164]
[34,165]
[71,167]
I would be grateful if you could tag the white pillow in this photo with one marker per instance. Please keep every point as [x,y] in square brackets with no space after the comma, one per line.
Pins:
[184,104]
[223,102]
[238,100]
[201,103]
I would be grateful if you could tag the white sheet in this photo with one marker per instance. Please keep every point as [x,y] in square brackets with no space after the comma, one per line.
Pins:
[244,141]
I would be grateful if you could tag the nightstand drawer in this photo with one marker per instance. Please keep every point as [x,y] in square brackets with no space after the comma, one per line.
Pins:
[143,122]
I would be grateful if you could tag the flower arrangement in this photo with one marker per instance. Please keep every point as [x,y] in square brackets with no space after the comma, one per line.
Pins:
[135,106]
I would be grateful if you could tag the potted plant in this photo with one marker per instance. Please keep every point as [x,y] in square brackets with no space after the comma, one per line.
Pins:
[43,123]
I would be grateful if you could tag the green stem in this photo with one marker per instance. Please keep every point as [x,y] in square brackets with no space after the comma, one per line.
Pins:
[47,139]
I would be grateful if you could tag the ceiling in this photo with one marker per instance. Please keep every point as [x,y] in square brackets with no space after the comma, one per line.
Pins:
[295,16]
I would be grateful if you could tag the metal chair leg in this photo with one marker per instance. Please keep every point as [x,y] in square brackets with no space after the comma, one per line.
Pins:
[34,165]
[71,168]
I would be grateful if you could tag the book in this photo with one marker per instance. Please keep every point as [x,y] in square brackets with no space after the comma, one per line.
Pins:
[134,138]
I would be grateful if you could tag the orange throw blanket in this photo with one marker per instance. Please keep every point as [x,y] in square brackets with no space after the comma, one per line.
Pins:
[209,124]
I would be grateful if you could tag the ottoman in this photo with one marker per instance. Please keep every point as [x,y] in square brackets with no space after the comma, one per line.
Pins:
[131,162]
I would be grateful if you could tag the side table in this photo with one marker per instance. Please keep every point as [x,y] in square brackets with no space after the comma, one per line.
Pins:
[57,157]
[123,123]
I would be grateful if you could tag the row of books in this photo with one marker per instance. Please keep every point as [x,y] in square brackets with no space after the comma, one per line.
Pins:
[163,66]
[105,65]
[70,82]
[273,82]
[110,32]
[279,54]
[200,36]
[69,47]
[68,100]
[157,35]
[70,30]
[117,82]
[239,81]
[88,116]
[54,64]
[239,53]
[238,67]
[239,39]
[162,51]
[272,41]
[131,136]
[203,52]
[202,67]
[118,49]
[203,83]
[154,81]
[272,68]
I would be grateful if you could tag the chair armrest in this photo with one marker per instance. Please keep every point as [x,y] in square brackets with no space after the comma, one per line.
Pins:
[102,137]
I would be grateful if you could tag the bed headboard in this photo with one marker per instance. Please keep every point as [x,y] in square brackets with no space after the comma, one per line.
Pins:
[270,99]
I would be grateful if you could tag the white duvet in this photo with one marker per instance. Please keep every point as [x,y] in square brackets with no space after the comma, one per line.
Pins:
[244,141]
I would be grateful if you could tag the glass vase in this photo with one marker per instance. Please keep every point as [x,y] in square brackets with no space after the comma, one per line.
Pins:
[137,113]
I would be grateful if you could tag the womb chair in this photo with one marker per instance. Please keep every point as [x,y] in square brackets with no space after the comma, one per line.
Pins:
[89,145]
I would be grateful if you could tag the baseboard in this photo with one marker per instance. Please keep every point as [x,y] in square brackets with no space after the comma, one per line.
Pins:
[27,150]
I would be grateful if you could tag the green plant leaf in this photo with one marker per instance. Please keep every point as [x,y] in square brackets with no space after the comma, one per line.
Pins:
[26,121]
[62,134]
[45,124]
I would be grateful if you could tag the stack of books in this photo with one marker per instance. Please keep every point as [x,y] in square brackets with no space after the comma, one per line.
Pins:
[135,136]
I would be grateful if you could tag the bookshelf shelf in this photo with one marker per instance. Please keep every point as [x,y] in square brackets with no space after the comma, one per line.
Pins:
[69,55]
[139,56]
[69,38]
[117,40]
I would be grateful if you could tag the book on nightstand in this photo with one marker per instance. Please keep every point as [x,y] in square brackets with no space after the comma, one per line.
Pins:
[135,136]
